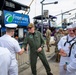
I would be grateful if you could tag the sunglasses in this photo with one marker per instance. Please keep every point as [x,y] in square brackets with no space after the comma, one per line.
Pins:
[29,27]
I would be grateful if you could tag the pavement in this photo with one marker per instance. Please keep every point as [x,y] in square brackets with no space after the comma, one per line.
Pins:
[25,68]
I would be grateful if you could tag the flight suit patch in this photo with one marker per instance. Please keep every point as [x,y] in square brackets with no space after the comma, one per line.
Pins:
[31,36]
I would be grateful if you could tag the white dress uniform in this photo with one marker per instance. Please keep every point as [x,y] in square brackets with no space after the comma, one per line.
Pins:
[66,48]
[12,44]
[71,67]
[5,61]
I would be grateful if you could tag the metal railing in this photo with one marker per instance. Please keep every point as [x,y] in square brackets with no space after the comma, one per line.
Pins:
[23,61]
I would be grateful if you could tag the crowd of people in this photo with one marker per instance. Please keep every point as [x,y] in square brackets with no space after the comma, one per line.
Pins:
[65,49]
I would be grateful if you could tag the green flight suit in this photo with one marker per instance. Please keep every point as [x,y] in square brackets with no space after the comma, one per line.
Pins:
[35,41]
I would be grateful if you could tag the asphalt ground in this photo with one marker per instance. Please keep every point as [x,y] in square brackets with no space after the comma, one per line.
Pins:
[25,70]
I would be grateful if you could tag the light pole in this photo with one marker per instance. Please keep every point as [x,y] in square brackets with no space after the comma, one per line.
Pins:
[64,21]
[42,12]
[62,13]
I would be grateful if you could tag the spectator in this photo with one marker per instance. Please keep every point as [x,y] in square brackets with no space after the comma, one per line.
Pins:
[48,36]
[71,66]
[64,46]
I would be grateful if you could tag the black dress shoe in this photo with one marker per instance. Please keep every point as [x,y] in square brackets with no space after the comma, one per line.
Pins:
[49,74]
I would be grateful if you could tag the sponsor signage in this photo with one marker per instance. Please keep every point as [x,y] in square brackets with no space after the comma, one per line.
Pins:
[12,17]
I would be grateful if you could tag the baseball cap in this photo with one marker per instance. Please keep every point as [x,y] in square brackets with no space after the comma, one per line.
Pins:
[11,25]
[30,25]
[60,28]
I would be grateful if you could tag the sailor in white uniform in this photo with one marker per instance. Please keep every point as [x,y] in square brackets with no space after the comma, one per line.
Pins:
[71,67]
[12,44]
[5,61]
[64,46]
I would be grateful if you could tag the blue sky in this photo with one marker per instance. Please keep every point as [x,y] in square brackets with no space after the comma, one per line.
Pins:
[54,9]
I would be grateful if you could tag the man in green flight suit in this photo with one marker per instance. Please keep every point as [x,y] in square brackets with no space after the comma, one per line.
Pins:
[36,44]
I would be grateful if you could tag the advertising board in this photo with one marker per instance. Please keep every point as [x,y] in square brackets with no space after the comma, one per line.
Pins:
[13,17]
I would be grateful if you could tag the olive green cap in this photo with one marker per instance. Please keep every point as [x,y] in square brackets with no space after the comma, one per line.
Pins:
[30,25]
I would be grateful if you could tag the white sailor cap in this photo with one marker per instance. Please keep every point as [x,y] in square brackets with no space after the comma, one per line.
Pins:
[11,25]
[74,25]
[70,26]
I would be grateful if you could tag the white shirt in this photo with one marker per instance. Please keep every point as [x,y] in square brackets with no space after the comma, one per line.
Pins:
[5,61]
[72,66]
[12,44]
[66,48]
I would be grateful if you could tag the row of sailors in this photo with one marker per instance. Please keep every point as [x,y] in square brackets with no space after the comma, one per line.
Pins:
[67,50]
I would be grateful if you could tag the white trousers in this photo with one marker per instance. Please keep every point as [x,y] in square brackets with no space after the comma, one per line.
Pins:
[63,72]
[5,62]
[13,68]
